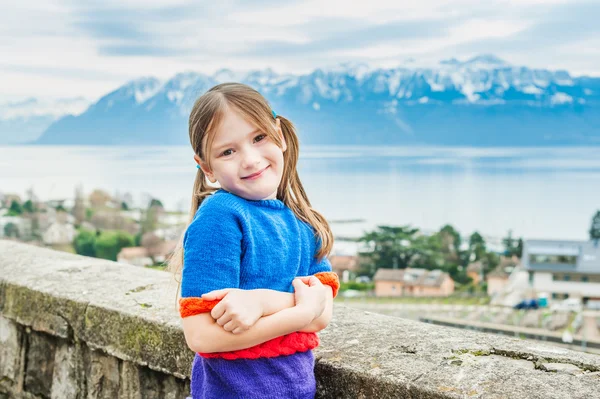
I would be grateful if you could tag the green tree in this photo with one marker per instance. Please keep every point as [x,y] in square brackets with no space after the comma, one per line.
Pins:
[15,209]
[110,243]
[476,247]
[510,244]
[450,243]
[391,247]
[155,202]
[595,227]
[519,251]
[28,206]
[85,243]
[11,230]
[429,252]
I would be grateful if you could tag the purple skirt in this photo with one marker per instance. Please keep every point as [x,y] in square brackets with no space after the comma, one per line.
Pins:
[265,378]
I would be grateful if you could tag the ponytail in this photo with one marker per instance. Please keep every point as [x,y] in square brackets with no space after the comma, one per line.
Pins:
[292,193]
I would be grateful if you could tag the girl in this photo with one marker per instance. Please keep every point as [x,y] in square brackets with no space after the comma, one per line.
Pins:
[245,313]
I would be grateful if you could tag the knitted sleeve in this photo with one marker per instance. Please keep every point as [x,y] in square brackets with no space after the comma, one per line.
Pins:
[212,247]
[322,270]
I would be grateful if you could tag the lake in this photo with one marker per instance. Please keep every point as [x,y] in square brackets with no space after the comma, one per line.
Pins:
[536,192]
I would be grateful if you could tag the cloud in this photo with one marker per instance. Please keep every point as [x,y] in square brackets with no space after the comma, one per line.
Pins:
[88,40]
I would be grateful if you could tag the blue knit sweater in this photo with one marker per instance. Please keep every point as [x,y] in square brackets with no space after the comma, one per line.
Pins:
[237,243]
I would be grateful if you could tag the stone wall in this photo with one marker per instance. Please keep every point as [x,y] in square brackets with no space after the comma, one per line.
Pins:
[77,327]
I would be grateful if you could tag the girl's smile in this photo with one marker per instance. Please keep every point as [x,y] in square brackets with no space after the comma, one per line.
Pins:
[256,175]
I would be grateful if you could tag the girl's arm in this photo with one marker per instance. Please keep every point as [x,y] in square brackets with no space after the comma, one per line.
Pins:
[269,302]
[204,335]
[276,301]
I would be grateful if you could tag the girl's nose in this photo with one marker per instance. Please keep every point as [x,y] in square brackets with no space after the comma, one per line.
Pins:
[251,159]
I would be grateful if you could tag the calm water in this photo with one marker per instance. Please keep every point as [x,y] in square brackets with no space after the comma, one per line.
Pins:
[537,192]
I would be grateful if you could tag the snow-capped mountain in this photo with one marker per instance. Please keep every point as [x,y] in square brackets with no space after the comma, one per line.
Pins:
[481,101]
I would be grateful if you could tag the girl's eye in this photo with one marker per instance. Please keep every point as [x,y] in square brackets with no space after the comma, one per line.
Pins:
[260,137]
[226,153]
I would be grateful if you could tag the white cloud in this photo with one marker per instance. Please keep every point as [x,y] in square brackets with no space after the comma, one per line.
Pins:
[66,49]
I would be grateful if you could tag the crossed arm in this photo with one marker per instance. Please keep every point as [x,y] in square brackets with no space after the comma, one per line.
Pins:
[281,315]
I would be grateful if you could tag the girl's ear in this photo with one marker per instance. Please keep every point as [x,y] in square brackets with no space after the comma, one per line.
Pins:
[283,143]
[205,169]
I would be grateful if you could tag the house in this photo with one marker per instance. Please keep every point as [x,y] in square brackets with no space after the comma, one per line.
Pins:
[563,268]
[475,271]
[140,256]
[344,265]
[137,256]
[498,279]
[412,282]
[59,234]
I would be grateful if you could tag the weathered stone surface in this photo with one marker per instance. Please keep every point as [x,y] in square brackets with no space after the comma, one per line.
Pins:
[10,350]
[40,364]
[67,372]
[370,355]
[129,387]
[102,376]
[129,315]
[128,312]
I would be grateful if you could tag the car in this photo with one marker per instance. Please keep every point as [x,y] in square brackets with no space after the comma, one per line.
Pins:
[568,305]
[527,304]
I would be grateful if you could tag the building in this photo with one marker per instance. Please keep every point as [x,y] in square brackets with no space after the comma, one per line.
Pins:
[137,256]
[344,266]
[59,234]
[140,256]
[563,269]
[475,271]
[412,282]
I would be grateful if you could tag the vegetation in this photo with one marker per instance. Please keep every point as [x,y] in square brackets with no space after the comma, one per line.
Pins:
[106,244]
[399,247]
[595,227]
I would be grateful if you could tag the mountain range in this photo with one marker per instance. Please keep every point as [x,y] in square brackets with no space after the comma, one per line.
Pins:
[483,101]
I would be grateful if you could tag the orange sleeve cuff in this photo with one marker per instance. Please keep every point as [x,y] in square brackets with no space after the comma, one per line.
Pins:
[331,279]
[193,305]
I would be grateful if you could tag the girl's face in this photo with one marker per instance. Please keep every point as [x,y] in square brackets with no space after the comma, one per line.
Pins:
[244,160]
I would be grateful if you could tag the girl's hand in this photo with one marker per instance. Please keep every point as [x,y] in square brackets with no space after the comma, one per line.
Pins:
[312,297]
[238,309]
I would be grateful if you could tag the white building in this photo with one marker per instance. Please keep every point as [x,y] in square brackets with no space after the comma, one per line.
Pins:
[563,268]
[59,234]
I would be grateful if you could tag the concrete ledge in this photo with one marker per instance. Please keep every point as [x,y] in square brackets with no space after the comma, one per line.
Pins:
[128,314]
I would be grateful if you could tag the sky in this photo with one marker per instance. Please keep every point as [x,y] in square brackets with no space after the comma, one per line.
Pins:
[86,48]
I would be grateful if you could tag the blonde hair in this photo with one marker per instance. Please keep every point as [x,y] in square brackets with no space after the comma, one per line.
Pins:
[206,116]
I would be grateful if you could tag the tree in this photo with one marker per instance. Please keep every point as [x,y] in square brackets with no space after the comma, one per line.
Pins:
[390,248]
[85,243]
[79,206]
[150,217]
[450,243]
[477,248]
[15,209]
[11,230]
[595,227]
[110,243]
[429,251]
[99,198]
[510,245]
[29,207]
[152,243]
